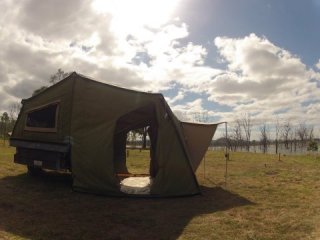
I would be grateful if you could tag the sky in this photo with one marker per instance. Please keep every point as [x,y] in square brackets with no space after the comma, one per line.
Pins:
[217,59]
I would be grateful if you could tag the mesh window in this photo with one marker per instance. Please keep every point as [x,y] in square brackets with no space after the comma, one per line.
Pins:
[44,118]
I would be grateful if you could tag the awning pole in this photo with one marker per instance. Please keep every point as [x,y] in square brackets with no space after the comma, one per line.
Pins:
[226,155]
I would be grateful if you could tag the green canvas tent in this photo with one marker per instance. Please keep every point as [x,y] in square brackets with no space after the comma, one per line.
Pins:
[81,124]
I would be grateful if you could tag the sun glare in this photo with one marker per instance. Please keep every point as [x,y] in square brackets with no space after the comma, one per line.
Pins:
[129,14]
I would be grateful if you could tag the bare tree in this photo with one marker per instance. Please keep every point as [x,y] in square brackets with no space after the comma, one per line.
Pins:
[277,132]
[58,76]
[132,137]
[264,137]
[293,138]
[14,110]
[237,134]
[302,132]
[246,125]
[311,135]
[54,78]
[200,116]
[228,140]
[286,130]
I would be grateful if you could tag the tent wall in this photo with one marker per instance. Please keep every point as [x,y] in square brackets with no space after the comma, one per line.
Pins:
[175,176]
[198,138]
[57,93]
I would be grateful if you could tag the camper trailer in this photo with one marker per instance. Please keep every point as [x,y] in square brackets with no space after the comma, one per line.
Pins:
[81,125]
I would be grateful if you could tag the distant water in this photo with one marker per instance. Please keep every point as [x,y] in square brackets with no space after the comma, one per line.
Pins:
[298,150]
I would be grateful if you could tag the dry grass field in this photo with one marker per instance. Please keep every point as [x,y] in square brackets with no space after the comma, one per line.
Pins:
[264,199]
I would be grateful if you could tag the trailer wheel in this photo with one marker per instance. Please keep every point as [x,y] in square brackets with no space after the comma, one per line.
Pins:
[34,171]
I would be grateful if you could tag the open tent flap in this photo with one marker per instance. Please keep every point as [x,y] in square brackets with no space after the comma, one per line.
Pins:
[198,138]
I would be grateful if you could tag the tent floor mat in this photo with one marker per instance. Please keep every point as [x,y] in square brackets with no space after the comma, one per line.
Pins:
[136,185]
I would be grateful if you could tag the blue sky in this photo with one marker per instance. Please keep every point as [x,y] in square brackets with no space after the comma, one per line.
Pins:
[223,59]
[290,24]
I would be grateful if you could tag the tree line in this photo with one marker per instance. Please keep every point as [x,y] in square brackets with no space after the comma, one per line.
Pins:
[279,134]
[8,120]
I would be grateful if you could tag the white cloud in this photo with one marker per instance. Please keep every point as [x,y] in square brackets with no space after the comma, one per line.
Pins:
[58,20]
[109,45]
[133,15]
[176,98]
[193,106]
[37,38]
[318,64]
[195,112]
[258,59]
[262,78]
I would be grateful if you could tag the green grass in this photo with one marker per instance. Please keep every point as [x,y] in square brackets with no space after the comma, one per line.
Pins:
[264,199]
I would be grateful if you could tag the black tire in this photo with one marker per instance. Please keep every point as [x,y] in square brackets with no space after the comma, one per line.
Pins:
[34,171]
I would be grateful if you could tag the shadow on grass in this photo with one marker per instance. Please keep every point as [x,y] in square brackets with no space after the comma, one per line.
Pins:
[46,208]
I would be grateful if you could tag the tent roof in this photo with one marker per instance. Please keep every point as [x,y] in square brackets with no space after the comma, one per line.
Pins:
[94,81]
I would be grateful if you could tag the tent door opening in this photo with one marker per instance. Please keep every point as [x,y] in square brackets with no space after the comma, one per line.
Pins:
[138,152]
[136,168]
